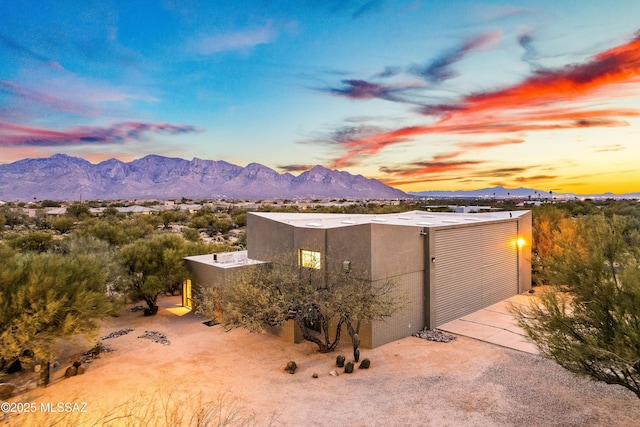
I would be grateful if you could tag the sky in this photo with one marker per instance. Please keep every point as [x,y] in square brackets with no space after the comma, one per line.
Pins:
[420,94]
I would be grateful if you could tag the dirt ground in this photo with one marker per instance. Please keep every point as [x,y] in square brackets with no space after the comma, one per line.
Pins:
[411,382]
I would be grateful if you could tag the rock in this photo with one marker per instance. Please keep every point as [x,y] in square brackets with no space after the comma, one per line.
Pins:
[291,367]
[334,373]
[37,368]
[71,371]
[77,364]
[435,335]
[6,390]
[80,370]
[119,333]
[314,375]
[156,337]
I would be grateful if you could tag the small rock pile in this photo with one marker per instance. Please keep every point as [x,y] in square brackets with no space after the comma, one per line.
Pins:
[435,335]
[156,337]
[73,370]
[94,353]
[136,308]
[117,334]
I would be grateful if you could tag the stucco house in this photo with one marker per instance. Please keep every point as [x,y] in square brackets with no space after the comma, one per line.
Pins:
[445,265]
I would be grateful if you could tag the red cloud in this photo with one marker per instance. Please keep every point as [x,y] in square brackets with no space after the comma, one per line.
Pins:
[541,102]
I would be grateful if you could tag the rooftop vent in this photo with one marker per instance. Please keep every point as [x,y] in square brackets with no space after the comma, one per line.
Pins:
[424,223]
[451,221]
[404,217]
[379,220]
[314,224]
[348,221]
[472,219]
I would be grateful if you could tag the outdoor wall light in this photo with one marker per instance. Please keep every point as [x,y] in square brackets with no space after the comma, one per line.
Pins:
[346,266]
[433,260]
[520,242]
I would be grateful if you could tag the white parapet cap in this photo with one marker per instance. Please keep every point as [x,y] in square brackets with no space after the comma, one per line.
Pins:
[411,218]
[224,259]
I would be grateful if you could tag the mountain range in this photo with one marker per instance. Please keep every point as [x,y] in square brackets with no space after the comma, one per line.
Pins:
[62,177]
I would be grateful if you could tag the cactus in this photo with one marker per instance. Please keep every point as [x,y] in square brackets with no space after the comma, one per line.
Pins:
[356,354]
[356,340]
[364,364]
[340,361]
[348,368]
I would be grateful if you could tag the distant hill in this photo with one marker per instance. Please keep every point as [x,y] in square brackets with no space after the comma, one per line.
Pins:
[520,192]
[62,177]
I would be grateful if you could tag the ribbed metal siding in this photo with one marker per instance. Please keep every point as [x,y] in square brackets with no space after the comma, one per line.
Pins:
[475,267]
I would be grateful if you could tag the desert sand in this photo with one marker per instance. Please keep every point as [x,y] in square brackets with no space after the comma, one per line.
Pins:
[411,382]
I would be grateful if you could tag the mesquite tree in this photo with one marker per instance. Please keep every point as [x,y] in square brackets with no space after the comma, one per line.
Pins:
[319,304]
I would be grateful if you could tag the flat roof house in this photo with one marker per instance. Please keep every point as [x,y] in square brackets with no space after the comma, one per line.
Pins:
[444,265]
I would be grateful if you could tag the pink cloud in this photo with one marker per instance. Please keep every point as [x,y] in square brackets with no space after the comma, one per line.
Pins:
[13,135]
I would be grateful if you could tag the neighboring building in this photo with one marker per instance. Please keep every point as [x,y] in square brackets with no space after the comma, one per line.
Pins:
[445,265]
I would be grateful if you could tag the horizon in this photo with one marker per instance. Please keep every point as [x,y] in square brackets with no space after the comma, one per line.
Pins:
[420,96]
[408,193]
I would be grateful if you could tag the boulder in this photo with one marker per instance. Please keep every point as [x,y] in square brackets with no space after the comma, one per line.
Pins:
[71,371]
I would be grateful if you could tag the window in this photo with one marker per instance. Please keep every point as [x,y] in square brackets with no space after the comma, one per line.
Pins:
[309,259]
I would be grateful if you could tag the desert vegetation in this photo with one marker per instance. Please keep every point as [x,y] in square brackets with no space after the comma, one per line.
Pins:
[61,273]
[589,319]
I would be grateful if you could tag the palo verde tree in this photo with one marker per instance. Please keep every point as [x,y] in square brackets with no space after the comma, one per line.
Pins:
[45,297]
[589,322]
[268,295]
[155,265]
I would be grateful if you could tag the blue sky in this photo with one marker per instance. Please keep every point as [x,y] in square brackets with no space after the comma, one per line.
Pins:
[419,94]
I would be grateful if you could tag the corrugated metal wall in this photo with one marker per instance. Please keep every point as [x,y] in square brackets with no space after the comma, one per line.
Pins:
[474,268]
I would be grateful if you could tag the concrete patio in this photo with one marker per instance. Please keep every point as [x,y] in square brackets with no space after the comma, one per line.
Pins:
[495,325]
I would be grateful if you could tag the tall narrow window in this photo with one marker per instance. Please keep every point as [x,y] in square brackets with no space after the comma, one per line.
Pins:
[309,259]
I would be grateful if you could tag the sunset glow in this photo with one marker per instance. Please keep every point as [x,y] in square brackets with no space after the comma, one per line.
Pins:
[420,95]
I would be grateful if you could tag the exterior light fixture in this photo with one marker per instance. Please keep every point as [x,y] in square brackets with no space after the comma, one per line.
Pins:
[520,242]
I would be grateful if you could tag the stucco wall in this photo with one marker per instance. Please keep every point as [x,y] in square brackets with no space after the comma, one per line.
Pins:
[267,239]
[351,244]
[395,250]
